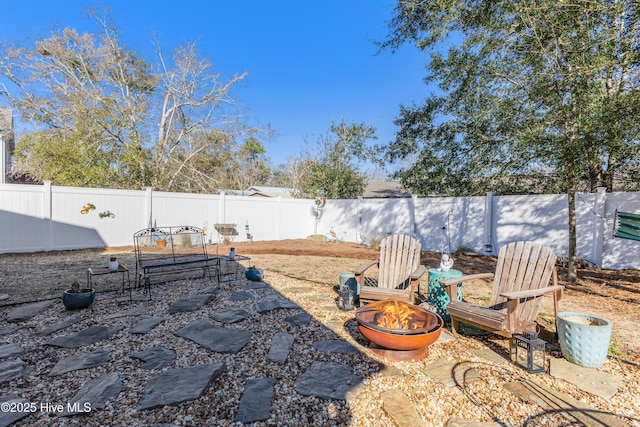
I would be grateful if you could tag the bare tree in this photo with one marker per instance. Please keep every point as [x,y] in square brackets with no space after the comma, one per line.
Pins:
[293,174]
[93,106]
[193,120]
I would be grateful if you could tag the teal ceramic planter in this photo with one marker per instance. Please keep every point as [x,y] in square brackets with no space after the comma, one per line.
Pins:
[77,300]
[584,339]
[254,274]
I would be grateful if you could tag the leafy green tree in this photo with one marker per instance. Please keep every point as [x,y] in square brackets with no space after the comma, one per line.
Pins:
[539,94]
[98,114]
[79,90]
[251,165]
[332,171]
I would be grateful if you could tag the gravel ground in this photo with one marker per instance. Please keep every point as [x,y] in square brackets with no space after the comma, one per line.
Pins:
[483,400]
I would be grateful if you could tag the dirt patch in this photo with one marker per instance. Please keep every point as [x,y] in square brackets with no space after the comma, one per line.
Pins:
[610,294]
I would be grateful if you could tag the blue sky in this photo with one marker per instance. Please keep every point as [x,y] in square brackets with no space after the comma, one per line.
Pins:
[309,63]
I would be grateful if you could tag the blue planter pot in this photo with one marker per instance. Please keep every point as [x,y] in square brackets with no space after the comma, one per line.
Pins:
[584,339]
[78,300]
[254,274]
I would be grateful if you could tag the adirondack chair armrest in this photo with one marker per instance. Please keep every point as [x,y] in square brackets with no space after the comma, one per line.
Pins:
[532,292]
[450,282]
[417,273]
[364,267]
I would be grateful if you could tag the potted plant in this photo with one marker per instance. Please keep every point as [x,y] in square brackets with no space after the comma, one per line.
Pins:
[584,338]
[76,298]
[159,237]
[254,274]
[113,264]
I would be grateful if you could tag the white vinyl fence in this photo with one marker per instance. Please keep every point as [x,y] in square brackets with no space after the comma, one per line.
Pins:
[45,217]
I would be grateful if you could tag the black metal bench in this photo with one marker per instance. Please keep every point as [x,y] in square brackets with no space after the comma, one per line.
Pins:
[165,251]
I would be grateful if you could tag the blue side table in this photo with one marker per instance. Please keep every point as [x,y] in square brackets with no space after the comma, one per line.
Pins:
[437,295]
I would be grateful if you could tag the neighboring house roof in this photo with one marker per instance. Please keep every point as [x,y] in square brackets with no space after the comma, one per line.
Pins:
[386,189]
[261,191]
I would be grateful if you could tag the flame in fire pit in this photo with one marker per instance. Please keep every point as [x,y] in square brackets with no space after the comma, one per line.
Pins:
[397,325]
[395,315]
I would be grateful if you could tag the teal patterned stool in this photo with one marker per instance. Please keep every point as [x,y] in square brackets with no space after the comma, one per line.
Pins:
[437,295]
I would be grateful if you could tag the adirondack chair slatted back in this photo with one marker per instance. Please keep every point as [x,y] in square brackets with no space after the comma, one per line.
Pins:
[399,257]
[522,266]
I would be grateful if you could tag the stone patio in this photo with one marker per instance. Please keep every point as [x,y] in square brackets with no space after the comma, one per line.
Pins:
[180,347]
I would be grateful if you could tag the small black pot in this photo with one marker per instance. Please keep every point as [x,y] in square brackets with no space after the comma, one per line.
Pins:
[76,300]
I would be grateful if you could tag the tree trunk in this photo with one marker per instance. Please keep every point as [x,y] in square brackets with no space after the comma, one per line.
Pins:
[595,177]
[609,177]
[572,255]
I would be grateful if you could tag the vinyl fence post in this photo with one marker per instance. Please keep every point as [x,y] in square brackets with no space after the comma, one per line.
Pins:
[488,223]
[412,217]
[597,241]
[147,221]
[221,209]
[279,215]
[47,212]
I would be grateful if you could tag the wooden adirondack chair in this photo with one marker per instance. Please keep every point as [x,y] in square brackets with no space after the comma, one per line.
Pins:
[399,270]
[522,277]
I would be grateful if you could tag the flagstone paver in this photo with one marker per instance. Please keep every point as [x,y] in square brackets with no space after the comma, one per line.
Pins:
[274,305]
[156,357]
[256,400]
[327,380]
[298,290]
[459,422]
[445,336]
[334,346]
[280,347]
[320,299]
[211,290]
[80,361]
[300,319]
[10,329]
[179,385]
[146,325]
[215,338]
[9,417]
[230,315]
[333,307]
[255,286]
[59,326]
[135,311]
[490,355]
[395,404]
[87,336]
[10,369]
[95,393]
[451,373]
[590,380]
[189,303]
[10,350]
[570,408]
[240,296]
[27,311]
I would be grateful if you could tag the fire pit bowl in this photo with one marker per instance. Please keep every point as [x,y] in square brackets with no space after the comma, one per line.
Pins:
[397,325]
